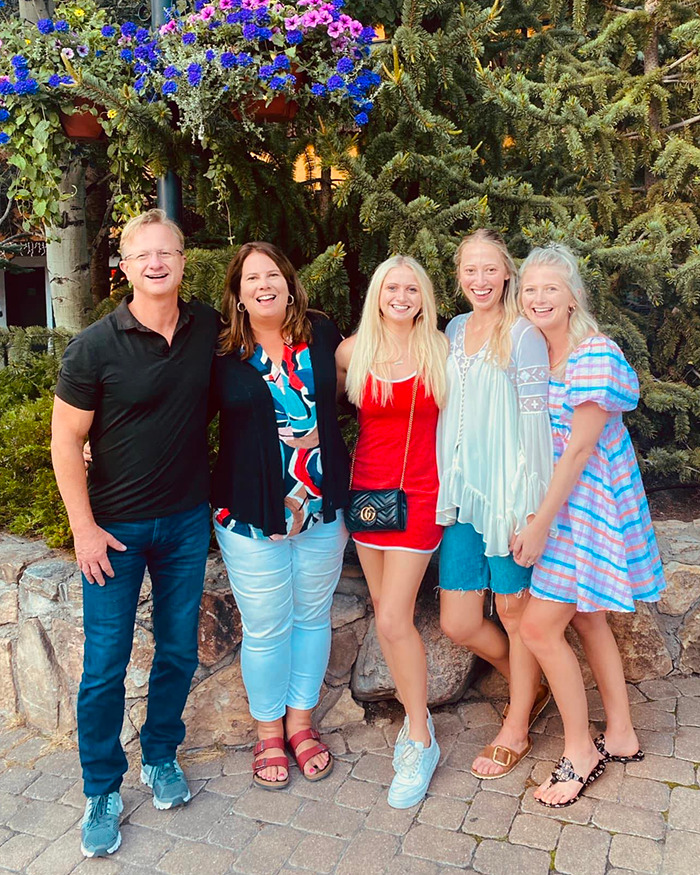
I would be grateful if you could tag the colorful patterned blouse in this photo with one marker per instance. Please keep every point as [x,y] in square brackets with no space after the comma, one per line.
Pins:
[293,394]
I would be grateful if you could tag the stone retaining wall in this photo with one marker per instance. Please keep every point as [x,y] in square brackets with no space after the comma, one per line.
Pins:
[41,643]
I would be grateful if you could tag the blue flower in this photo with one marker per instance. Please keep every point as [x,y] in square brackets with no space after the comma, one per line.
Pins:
[4,138]
[126,55]
[250,31]
[361,118]
[19,62]
[45,25]
[344,66]
[61,26]
[264,33]
[228,60]
[171,71]
[210,55]
[318,89]
[6,87]
[82,51]
[294,37]
[198,5]
[170,87]
[281,62]
[334,83]
[214,24]
[140,68]
[67,80]
[140,83]
[367,35]
[108,31]
[4,115]
[266,70]
[143,35]
[128,29]
[246,15]
[194,74]
[262,16]
[144,52]
[244,59]
[26,86]
[188,38]
[54,81]
[233,18]
[277,83]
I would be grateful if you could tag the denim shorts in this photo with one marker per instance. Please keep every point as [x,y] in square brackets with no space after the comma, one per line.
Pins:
[465,568]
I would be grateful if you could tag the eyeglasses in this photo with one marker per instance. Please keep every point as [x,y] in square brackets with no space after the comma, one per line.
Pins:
[161,254]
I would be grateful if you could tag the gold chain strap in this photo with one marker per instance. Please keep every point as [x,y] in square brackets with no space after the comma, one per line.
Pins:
[408,438]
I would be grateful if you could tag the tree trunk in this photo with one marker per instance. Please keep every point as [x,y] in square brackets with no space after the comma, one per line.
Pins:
[33,10]
[97,206]
[67,258]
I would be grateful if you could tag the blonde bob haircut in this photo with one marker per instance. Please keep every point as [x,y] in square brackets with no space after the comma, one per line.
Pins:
[375,349]
[500,342]
[237,333]
[150,217]
[558,257]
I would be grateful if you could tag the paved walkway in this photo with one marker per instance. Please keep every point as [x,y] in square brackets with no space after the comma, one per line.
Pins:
[643,817]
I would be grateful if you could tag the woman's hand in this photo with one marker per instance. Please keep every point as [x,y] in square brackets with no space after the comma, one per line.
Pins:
[528,545]
[87,454]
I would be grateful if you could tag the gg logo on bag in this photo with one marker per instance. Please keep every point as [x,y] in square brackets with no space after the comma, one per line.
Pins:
[368,514]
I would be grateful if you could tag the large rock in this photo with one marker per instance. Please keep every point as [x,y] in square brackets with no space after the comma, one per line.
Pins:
[344,711]
[644,653]
[690,643]
[68,640]
[682,590]
[44,701]
[8,694]
[139,667]
[9,608]
[450,667]
[679,541]
[217,710]
[346,609]
[220,630]
[49,579]
[16,554]
[344,649]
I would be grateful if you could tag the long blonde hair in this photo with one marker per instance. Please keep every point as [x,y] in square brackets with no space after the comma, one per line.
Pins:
[582,323]
[500,342]
[374,348]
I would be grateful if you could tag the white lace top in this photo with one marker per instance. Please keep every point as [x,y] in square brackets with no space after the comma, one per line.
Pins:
[494,440]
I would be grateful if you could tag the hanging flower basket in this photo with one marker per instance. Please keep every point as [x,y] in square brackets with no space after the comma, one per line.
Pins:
[82,124]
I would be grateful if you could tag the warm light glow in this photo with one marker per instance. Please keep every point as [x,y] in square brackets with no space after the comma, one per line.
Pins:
[308,167]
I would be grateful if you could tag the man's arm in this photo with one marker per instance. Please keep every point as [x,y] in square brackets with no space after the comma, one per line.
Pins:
[69,427]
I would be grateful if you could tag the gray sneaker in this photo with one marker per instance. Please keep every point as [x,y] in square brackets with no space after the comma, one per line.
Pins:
[100,827]
[168,784]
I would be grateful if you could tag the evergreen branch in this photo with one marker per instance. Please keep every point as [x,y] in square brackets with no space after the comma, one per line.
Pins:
[684,124]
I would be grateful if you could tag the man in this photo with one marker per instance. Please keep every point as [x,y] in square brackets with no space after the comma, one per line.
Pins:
[136,382]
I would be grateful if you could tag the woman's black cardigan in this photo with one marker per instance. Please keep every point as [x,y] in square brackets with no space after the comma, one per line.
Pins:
[247,475]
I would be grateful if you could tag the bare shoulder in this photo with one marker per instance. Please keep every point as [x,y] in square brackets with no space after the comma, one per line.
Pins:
[343,353]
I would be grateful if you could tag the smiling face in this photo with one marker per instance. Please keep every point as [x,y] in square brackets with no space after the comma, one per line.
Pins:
[546,298]
[482,274]
[153,262]
[400,297]
[264,290]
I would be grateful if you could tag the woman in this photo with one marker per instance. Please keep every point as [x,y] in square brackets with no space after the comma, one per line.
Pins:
[278,488]
[604,555]
[495,462]
[395,368]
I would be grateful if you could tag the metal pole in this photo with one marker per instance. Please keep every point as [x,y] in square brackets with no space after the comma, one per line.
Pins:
[168,187]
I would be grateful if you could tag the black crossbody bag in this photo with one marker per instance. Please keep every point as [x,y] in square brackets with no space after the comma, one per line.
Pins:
[381,510]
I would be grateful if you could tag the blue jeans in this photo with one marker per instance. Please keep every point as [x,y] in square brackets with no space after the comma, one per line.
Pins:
[465,567]
[174,549]
[284,590]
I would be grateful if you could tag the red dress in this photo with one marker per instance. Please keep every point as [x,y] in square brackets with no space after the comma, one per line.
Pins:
[379,460]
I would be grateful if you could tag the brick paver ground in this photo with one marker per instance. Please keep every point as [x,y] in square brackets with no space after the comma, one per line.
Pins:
[642,817]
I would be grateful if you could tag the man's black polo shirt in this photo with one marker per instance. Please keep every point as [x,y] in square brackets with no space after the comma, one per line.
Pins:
[148,437]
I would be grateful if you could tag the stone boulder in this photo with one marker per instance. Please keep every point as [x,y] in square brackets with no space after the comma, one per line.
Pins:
[44,700]
[642,647]
[682,589]
[9,605]
[139,668]
[8,694]
[217,710]
[679,541]
[220,630]
[450,667]
[16,554]
[690,643]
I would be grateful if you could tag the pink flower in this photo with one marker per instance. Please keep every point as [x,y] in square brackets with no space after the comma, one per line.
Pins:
[168,28]
[340,44]
[225,4]
[207,13]
[293,22]
[310,19]
[345,20]
[325,17]
[335,29]
[356,28]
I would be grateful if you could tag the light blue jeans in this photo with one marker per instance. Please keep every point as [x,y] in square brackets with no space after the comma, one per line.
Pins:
[284,590]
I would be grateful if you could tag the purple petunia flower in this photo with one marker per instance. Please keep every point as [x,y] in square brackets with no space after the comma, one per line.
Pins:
[45,25]
[108,31]
[188,38]
[83,51]
[170,87]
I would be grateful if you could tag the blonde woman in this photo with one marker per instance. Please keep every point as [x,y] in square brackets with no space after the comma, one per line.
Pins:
[604,555]
[495,462]
[394,362]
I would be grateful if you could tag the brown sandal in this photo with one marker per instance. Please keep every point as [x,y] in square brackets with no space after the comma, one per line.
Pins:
[303,757]
[544,694]
[260,764]
[503,756]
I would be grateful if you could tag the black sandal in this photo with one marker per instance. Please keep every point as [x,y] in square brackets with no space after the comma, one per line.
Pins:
[599,742]
[564,771]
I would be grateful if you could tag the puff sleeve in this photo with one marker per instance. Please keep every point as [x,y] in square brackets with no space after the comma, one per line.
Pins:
[597,371]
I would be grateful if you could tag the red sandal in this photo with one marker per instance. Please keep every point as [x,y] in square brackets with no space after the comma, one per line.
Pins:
[260,764]
[303,757]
